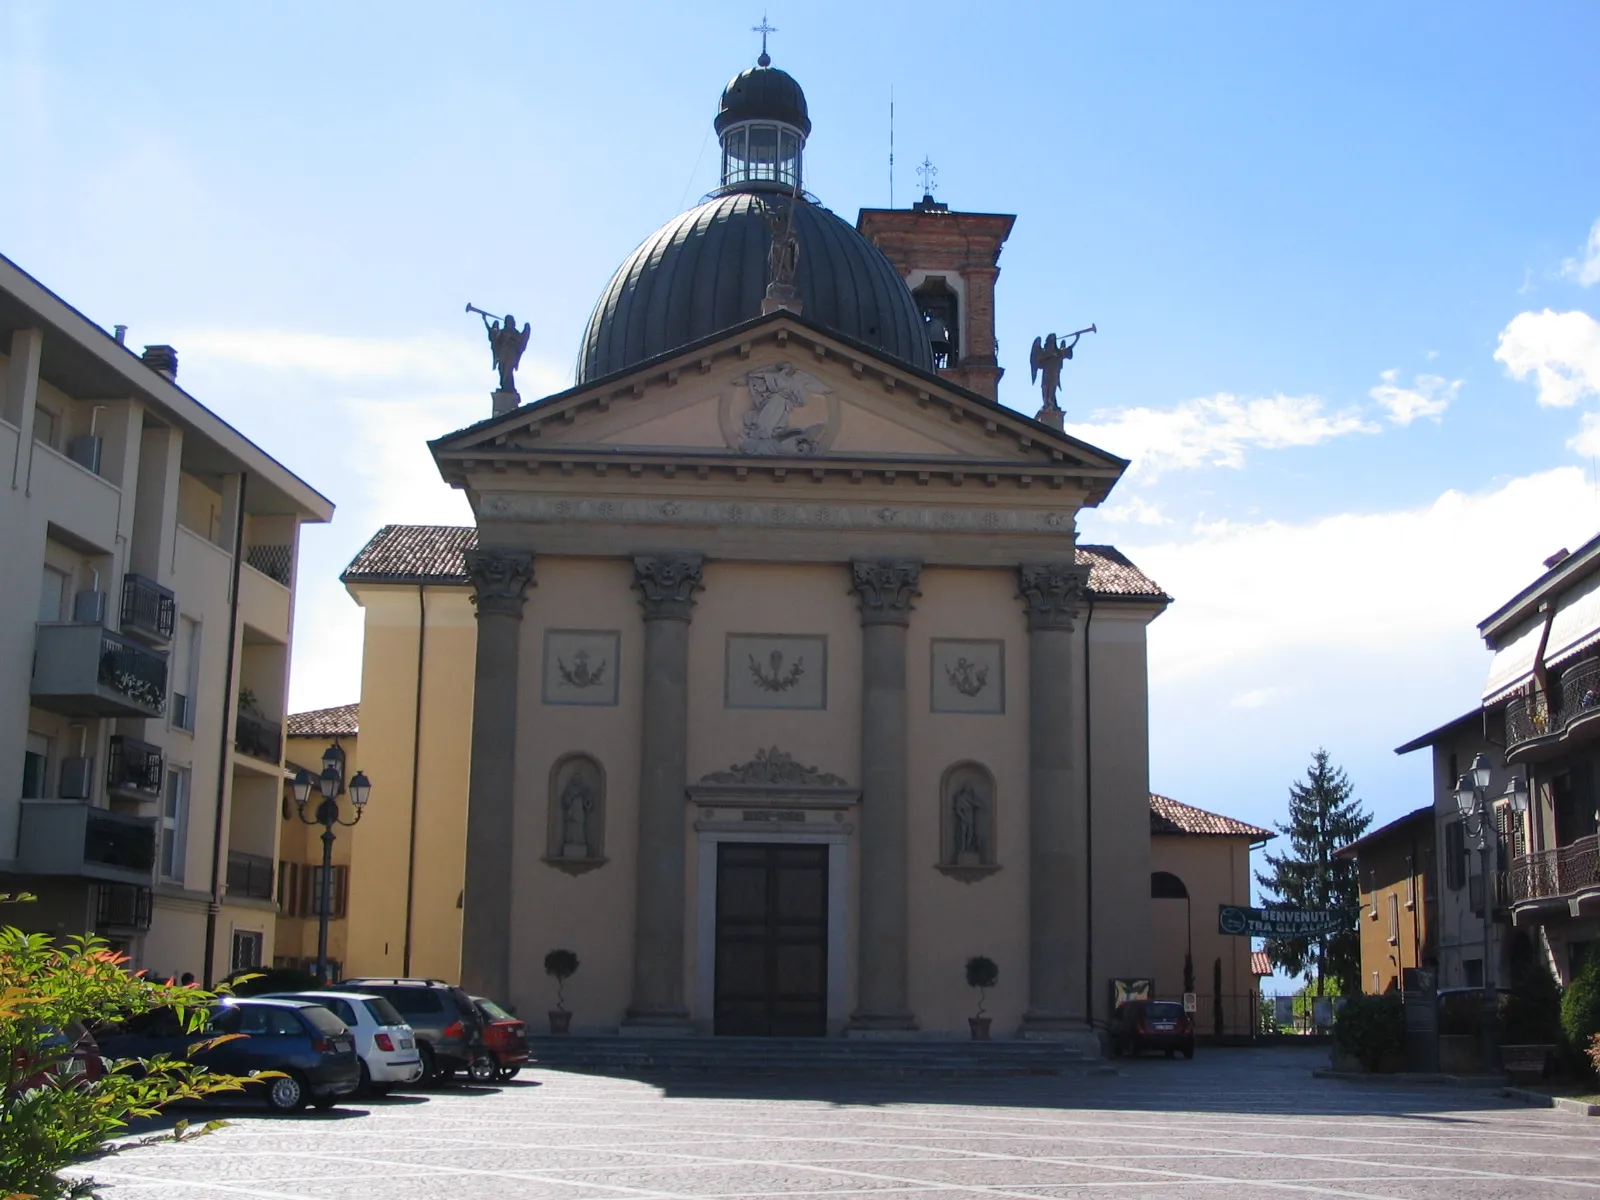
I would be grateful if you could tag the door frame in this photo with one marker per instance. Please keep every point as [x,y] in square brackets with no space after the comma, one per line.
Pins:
[705,967]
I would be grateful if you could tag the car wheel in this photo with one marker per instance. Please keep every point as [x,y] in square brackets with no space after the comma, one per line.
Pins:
[324,1103]
[430,1065]
[1188,1051]
[483,1068]
[286,1094]
[365,1088]
[508,1073]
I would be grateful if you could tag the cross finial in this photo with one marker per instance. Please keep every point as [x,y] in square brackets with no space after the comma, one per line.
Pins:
[763,29]
[929,174]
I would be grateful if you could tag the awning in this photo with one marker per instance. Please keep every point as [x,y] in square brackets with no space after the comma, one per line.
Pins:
[1576,624]
[1513,662]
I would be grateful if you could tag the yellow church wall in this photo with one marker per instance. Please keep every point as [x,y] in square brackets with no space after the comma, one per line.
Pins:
[952,920]
[1216,870]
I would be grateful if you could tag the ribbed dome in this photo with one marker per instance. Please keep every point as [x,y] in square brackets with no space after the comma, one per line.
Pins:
[706,270]
[763,94]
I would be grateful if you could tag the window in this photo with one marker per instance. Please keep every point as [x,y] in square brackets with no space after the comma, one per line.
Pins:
[53,592]
[1473,969]
[36,767]
[1394,919]
[1376,988]
[185,673]
[247,945]
[175,824]
[1455,856]
[1411,883]
[338,886]
[44,426]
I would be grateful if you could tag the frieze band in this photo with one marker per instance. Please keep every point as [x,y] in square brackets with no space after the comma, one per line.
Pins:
[500,580]
[667,584]
[1052,593]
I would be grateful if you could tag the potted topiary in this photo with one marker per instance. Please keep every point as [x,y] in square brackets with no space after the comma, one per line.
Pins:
[983,975]
[560,965]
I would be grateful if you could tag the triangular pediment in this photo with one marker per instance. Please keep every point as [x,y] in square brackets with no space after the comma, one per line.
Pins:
[779,390]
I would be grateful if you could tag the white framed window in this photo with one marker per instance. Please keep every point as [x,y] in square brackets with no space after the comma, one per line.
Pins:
[185,674]
[1411,884]
[1394,919]
[175,824]
[36,767]
[247,948]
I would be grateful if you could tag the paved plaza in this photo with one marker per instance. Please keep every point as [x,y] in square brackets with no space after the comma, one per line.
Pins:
[1229,1124]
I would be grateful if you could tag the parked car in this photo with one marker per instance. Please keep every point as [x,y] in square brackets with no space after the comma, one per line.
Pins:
[314,1050]
[1141,1025]
[77,1060]
[504,1038]
[448,1030]
[386,1044]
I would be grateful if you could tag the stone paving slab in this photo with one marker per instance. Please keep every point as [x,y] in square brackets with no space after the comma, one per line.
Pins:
[1231,1125]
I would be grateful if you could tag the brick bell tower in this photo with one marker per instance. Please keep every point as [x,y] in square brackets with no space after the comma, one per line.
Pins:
[950,261]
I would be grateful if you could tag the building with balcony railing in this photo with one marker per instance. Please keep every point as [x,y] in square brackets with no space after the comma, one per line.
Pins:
[149,553]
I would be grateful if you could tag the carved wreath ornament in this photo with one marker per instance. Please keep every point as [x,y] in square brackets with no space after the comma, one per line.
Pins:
[967,677]
[581,674]
[780,680]
[773,767]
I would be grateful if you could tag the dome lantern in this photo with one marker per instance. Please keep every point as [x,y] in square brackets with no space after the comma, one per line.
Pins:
[763,124]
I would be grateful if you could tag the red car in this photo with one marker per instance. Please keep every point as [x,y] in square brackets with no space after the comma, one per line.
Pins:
[505,1042]
[1141,1025]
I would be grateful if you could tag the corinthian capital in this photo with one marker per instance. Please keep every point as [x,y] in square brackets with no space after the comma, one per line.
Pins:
[885,588]
[667,584]
[1052,593]
[500,580]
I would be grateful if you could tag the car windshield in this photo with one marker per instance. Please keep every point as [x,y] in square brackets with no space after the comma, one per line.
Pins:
[417,1001]
[323,1020]
[383,1012]
[493,1011]
[1167,1011]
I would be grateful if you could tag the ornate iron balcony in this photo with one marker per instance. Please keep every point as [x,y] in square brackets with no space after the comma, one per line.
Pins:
[1553,874]
[148,609]
[1577,695]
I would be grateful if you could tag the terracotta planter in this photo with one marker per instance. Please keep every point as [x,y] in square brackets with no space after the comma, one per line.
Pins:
[560,1022]
[979,1027]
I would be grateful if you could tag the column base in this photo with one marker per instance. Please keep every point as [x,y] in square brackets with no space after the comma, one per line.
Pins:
[657,1022]
[867,1024]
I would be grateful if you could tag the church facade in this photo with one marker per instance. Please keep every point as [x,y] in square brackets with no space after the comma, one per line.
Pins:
[793,689]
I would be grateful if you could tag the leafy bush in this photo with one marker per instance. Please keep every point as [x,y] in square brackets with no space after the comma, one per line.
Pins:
[561,965]
[983,974]
[1580,1004]
[52,1112]
[1371,1029]
[278,979]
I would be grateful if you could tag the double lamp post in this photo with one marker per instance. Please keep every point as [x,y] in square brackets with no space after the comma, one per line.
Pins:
[331,784]
[1475,807]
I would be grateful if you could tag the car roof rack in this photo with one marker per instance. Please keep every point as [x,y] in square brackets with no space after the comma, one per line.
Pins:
[390,979]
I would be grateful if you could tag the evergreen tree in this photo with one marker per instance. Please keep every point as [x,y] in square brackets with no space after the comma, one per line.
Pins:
[1322,818]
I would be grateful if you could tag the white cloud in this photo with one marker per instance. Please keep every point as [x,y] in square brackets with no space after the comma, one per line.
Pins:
[1137,510]
[1560,350]
[1215,431]
[1587,440]
[1586,270]
[1428,396]
[1258,697]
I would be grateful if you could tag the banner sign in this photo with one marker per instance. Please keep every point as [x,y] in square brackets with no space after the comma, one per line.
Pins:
[1239,921]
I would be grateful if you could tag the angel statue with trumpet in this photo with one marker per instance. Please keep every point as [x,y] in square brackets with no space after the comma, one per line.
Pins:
[1047,356]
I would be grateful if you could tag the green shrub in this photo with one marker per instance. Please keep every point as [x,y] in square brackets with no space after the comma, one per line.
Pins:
[1371,1029]
[1580,1004]
[983,974]
[561,965]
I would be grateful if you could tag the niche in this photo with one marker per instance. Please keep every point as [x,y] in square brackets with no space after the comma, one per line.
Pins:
[967,822]
[576,824]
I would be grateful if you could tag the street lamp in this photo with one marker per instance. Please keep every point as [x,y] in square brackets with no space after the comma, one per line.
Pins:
[330,783]
[1473,804]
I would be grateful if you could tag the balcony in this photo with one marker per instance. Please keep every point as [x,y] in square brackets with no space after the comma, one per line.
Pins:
[275,562]
[1564,873]
[81,669]
[149,610]
[250,875]
[135,770]
[67,837]
[122,906]
[258,736]
[1534,730]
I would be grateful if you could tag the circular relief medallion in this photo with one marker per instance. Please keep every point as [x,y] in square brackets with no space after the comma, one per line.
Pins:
[779,411]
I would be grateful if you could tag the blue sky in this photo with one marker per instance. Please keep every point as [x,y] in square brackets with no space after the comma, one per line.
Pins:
[1340,257]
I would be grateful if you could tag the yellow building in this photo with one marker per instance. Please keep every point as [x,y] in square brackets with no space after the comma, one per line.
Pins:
[300,844]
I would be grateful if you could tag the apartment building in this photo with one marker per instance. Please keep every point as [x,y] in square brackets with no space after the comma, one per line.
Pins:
[1399,905]
[149,553]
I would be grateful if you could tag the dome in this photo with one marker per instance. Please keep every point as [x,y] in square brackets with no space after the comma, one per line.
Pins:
[706,270]
[763,93]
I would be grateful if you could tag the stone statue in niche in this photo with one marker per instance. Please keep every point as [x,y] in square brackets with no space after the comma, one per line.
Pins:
[577,808]
[967,810]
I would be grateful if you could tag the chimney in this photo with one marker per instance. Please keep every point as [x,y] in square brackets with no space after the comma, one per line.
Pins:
[163,360]
[1559,556]
[120,333]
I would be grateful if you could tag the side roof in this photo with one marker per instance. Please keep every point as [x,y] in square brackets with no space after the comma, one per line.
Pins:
[1169,816]
[86,362]
[342,720]
[1434,736]
[1558,578]
[412,554]
[1384,832]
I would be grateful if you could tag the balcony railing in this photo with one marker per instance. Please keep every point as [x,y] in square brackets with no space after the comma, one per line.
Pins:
[249,875]
[61,837]
[258,736]
[134,768]
[122,906]
[1576,695]
[83,669]
[1550,874]
[148,609]
[275,562]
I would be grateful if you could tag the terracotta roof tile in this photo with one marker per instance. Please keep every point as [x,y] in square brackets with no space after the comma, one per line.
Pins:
[432,554]
[1259,964]
[1169,816]
[340,721]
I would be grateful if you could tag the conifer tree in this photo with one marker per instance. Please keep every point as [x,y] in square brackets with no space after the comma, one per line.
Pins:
[1323,817]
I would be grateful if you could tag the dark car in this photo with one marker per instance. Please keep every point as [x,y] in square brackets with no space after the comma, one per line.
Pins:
[1141,1025]
[312,1048]
[504,1037]
[448,1028]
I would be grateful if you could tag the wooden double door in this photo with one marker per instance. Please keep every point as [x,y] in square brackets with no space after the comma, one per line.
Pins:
[772,940]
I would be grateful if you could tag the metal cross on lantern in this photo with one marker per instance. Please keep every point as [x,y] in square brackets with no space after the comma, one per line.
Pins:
[763,29]
[929,173]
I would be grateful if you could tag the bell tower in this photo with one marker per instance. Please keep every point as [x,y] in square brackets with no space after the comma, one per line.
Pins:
[950,261]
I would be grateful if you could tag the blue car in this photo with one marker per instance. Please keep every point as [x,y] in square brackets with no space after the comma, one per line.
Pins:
[314,1050]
